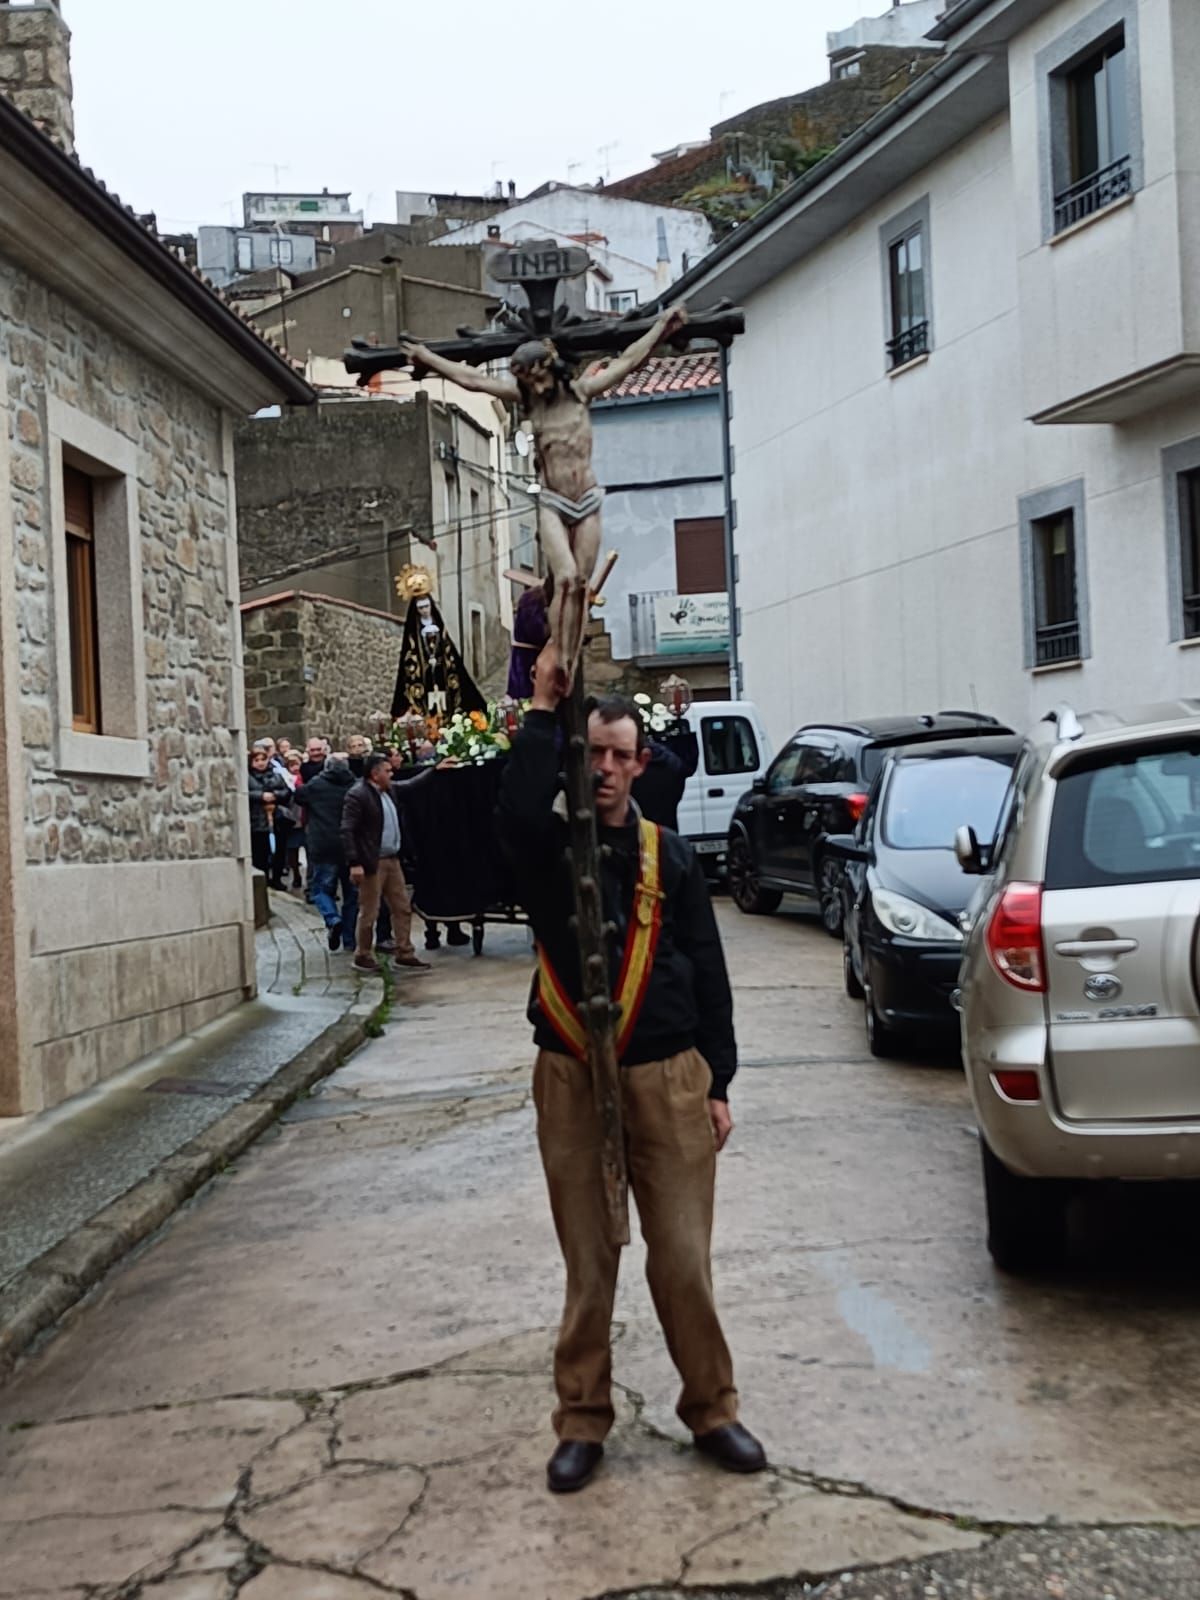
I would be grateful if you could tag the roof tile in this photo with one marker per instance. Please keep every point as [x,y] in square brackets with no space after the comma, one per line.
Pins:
[671,375]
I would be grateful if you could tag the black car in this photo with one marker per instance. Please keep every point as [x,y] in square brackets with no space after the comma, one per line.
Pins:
[904,890]
[818,785]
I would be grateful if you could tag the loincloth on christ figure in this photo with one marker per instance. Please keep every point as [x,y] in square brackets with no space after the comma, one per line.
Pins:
[573,512]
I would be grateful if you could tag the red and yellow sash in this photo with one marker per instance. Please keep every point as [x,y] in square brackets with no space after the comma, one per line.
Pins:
[645,925]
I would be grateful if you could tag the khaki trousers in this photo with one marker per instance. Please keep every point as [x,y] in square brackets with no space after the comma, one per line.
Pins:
[672,1172]
[386,883]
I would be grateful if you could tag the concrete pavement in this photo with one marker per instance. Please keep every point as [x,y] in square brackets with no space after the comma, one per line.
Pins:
[330,1377]
[84,1183]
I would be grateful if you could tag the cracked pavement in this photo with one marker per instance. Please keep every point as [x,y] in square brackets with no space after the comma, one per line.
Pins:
[329,1377]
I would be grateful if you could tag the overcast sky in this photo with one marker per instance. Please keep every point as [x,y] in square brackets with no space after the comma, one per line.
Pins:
[181,105]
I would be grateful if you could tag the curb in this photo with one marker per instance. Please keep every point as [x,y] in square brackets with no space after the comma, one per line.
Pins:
[41,1292]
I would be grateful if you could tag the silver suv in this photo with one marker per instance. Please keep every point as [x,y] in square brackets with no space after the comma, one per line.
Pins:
[1081,972]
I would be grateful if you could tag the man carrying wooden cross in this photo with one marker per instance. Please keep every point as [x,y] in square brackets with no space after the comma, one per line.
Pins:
[677,1051]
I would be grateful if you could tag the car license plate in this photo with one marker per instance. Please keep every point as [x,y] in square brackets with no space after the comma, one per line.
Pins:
[709,847]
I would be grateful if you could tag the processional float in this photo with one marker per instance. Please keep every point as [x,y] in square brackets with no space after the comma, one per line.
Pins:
[568,341]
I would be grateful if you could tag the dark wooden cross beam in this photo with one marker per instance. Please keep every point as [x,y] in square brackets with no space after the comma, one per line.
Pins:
[574,340]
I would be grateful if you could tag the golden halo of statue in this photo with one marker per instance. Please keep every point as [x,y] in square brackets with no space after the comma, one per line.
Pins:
[414,583]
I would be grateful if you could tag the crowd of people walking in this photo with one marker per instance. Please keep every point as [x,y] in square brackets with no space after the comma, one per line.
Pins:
[341,809]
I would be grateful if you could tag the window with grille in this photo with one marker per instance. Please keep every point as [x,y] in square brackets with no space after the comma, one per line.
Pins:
[80,527]
[910,317]
[1092,121]
[700,555]
[1056,595]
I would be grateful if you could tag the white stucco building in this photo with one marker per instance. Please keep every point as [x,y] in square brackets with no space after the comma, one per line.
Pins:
[966,410]
[637,247]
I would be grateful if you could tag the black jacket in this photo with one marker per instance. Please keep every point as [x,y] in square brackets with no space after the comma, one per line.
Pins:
[257,785]
[659,790]
[688,1003]
[362,820]
[324,797]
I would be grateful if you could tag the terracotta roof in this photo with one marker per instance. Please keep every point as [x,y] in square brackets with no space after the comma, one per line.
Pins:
[671,375]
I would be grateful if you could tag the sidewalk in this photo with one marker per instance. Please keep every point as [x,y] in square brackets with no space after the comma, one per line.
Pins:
[82,1184]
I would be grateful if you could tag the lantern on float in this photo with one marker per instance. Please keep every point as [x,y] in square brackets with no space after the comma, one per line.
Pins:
[676,693]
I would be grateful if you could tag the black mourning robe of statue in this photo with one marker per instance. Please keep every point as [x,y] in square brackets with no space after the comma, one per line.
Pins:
[432,677]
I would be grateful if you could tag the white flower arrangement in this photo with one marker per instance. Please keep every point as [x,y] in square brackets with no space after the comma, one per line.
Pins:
[655,715]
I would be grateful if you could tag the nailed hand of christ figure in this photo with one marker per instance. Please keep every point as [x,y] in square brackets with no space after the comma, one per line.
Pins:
[547,391]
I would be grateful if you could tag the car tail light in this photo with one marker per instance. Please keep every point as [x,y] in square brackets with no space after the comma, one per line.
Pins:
[1014,937]
[856,804]
[1018,1083]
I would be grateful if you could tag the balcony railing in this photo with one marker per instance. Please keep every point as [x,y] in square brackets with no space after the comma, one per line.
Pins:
[1191,616]
[1059,641]
[907,346]
[1093,193]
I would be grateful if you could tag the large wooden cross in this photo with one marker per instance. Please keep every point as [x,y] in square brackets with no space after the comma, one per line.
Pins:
[538,267]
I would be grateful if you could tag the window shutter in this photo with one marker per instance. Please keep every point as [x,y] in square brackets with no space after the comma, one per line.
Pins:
[700,555]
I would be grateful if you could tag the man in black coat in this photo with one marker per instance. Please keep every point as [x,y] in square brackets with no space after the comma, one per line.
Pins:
[324,798]
[658,790]
[371,842]
[678,1056]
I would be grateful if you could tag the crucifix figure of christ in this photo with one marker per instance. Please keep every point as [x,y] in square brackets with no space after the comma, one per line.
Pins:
[556,403]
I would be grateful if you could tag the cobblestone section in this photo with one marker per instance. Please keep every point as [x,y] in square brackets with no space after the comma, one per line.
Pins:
[317,666]
[184,807]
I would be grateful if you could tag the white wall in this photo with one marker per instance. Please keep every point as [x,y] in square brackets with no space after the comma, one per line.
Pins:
[629,227]
[877,516]
[647,444]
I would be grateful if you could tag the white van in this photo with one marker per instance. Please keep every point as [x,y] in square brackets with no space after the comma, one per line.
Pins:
[734,750]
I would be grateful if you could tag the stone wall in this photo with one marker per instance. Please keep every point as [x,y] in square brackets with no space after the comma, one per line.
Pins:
[343,487]
[132,891]
[35,67]
[183,808]
[317,666]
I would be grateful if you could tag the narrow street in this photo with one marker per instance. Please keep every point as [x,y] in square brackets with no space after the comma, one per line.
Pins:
[328,1378]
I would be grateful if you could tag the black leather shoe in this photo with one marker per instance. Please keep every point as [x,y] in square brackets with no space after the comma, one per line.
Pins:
[572,1465]
[455,934]
[733,1447]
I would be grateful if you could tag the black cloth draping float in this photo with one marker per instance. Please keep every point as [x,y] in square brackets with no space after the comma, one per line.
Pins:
[450,834]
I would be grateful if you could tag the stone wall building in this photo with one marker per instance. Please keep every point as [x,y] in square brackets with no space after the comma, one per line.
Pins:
[338,499]
[125,913]
[316,665]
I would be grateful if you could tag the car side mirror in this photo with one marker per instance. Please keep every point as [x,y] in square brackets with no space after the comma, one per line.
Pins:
[972,857]
[845,847]
[759,786]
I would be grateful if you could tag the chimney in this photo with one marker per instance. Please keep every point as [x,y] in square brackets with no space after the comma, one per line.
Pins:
[35,66]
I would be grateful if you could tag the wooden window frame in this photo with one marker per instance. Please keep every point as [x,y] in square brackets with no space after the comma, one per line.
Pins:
[109,737]
[79,526]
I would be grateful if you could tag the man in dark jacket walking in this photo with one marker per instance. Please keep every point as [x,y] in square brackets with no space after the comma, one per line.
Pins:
[324,799]
[371,843]
[677,1058]
[658,789]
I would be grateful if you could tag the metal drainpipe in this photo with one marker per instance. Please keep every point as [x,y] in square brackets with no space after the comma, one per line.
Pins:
[735,665]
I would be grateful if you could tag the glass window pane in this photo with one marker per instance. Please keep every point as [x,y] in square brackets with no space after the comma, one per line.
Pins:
[1086,88]
[1118,117]
[928,800]
[729,745]
[1127,821]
